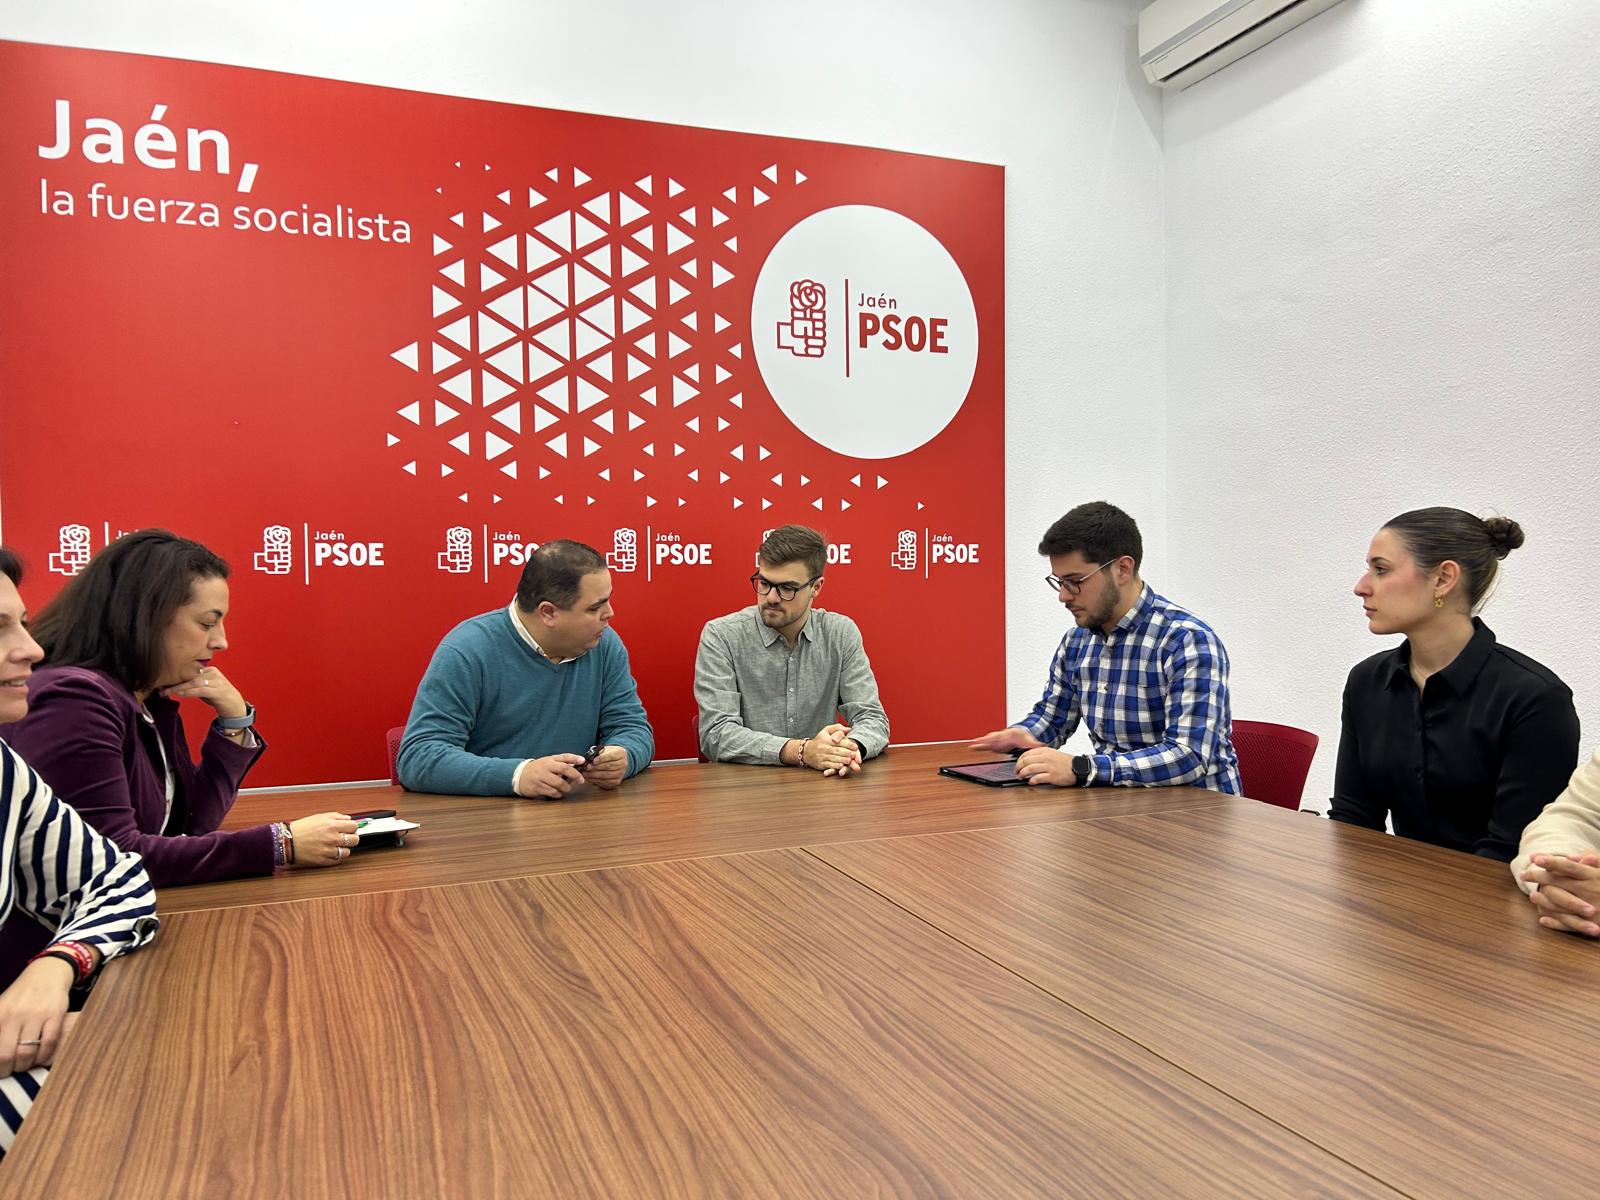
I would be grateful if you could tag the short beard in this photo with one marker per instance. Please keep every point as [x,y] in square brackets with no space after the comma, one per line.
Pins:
[766,613]
[1101,616]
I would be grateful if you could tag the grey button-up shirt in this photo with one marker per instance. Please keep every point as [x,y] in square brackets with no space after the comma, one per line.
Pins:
[755,693]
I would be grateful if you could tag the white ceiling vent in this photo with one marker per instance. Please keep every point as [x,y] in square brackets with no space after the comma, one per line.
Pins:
[1181,41]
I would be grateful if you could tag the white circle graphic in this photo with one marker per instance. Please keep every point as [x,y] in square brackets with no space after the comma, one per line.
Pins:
[864,331]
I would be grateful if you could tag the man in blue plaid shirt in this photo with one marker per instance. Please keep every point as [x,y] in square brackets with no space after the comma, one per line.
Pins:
[1149,679]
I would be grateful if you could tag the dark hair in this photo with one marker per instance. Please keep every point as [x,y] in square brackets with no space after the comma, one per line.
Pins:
[10,566]
[1099,531]
[112,615]
[796,543]
[555,572]
[1433,535]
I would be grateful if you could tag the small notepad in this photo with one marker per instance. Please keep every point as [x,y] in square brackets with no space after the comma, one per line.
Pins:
[381,825]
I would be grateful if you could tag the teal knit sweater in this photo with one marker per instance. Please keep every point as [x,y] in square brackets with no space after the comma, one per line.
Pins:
[487,702]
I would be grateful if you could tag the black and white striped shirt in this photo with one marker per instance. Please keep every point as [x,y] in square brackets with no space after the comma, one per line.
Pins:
[55,867]
[58,869]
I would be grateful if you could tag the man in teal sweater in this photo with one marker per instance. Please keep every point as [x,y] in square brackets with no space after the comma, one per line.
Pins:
[513,698]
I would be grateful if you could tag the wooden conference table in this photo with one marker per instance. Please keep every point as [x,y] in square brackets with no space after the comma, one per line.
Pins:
[735,981]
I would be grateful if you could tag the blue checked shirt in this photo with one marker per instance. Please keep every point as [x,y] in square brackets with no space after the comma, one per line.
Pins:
[1154,693]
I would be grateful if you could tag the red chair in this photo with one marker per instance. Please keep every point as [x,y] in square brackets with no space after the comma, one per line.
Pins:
[392,743]
[1274,761]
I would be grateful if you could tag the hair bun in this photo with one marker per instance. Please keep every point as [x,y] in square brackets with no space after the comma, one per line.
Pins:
[1505,535]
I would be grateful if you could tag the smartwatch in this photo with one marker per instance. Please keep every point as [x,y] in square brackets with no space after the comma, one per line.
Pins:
[1083,769]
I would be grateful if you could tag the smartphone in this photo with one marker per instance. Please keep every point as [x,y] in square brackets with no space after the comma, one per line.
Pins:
[371,814]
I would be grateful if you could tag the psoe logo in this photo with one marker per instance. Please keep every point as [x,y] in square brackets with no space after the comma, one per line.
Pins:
[276,556]
[456,557]
[904,556]
[944,548]
[507,546]
[331,548]
[868,334]
[805,333]
[624,556]
[672,550]
[74,553]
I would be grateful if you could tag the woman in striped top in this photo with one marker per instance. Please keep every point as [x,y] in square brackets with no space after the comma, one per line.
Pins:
[95,899]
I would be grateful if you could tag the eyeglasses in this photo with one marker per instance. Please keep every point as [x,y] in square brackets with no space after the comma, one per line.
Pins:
[786,591]
[1073,585]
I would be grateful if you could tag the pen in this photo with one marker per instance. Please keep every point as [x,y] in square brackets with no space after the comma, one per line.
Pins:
[362,824]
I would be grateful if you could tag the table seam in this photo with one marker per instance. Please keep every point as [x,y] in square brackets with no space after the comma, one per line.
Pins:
[612,866]
[1112,1029]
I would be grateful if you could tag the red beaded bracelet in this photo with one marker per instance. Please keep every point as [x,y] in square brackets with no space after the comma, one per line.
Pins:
[75,953]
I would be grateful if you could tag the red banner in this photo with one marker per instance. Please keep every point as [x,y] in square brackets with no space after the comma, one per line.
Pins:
[371,345]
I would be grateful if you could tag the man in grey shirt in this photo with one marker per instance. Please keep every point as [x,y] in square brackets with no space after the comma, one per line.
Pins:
[773,679]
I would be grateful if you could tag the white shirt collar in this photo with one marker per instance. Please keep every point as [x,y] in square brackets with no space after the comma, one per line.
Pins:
[522,632]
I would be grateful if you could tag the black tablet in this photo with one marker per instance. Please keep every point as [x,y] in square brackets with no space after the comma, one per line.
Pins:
[990,774]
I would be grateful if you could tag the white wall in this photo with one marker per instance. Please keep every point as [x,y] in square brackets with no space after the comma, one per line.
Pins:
[1047,88]
[1378,291]
[1383,242]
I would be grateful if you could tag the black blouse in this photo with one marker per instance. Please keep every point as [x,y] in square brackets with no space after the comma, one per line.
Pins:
[1465,762]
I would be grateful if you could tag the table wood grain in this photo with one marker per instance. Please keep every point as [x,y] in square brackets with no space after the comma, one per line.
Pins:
[1393,1002]
[746,1026]
[681,811]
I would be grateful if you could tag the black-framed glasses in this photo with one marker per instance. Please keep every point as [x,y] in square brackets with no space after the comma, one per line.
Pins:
[786,591]
[1073,583]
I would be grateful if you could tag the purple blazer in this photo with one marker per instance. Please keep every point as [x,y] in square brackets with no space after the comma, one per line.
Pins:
[82,735]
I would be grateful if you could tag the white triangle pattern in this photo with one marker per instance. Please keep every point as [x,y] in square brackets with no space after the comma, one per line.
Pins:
[571,306]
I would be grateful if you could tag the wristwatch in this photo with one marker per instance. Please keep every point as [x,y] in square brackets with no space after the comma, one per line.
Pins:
[236,723]
[1083,769]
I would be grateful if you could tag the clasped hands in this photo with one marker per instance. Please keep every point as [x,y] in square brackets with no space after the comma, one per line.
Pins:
[1568,896]
[832,752]
[553,776]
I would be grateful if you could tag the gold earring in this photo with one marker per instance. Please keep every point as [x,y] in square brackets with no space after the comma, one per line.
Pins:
[1438,601]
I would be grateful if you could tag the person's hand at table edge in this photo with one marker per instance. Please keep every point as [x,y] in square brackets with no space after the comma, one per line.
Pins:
[1567,896]
[32,1012]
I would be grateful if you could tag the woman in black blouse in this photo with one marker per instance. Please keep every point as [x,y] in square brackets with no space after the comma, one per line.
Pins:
[1458,738]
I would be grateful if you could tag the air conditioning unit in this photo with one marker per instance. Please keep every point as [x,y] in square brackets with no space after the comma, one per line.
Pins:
[1181,41]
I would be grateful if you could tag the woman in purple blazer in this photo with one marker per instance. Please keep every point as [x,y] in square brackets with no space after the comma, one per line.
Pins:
[124,641]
